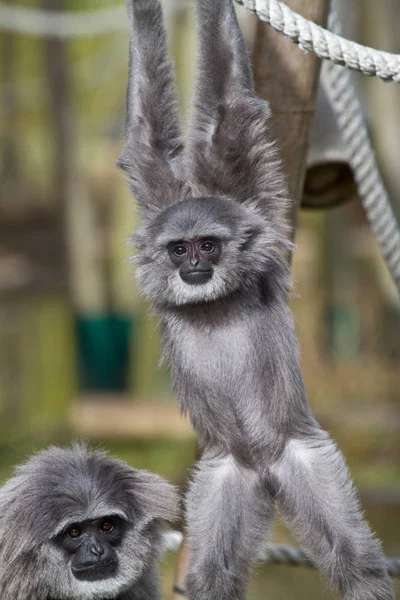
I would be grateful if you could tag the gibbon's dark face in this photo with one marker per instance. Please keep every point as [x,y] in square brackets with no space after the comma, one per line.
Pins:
[91,547]
[195,258]
[201,249]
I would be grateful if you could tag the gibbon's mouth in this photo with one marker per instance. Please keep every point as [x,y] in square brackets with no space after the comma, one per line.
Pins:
[197,277]
[97,572]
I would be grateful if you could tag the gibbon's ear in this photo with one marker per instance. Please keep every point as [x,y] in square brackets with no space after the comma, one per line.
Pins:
[151,157]
[153,496]
[230,149]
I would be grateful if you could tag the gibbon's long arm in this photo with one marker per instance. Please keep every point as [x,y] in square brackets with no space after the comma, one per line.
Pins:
[230,151]
[151,156]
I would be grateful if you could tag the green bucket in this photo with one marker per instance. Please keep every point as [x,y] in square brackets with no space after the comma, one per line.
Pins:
[104,343]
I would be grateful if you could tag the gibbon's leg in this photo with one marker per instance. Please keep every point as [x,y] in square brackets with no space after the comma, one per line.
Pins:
[316,497]
[228,512]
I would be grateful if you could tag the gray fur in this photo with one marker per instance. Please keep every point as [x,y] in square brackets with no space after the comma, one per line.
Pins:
[155,141]
[231,341]
[58,487]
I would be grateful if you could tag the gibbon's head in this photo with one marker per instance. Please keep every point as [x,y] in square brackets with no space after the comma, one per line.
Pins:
[202,249]
[76,524]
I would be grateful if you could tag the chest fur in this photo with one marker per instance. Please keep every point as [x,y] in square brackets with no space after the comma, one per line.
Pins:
[222,352]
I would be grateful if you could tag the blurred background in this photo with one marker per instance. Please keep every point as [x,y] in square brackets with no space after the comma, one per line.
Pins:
[78,349]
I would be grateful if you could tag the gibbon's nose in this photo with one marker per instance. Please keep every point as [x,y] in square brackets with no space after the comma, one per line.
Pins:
[194,261]
[96,549]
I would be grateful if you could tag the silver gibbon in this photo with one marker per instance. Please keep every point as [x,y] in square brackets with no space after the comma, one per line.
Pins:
[76,524]
[211,257]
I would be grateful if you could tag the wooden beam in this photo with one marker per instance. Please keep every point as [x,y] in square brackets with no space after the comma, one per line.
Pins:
[288,78]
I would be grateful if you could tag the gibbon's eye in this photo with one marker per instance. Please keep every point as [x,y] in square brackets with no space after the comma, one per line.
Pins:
[74,531]
[180,250]
[106,526]
[207,246]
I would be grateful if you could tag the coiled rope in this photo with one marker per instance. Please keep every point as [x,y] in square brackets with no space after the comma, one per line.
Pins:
[280,554]
[362,161]
[326,44]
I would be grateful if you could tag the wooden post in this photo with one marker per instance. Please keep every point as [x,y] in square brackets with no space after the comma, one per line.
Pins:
[288,79]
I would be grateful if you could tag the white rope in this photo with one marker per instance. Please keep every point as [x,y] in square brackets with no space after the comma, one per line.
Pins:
[38,22]
[361,157]
[312,37]
[276,554]
[69,24]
